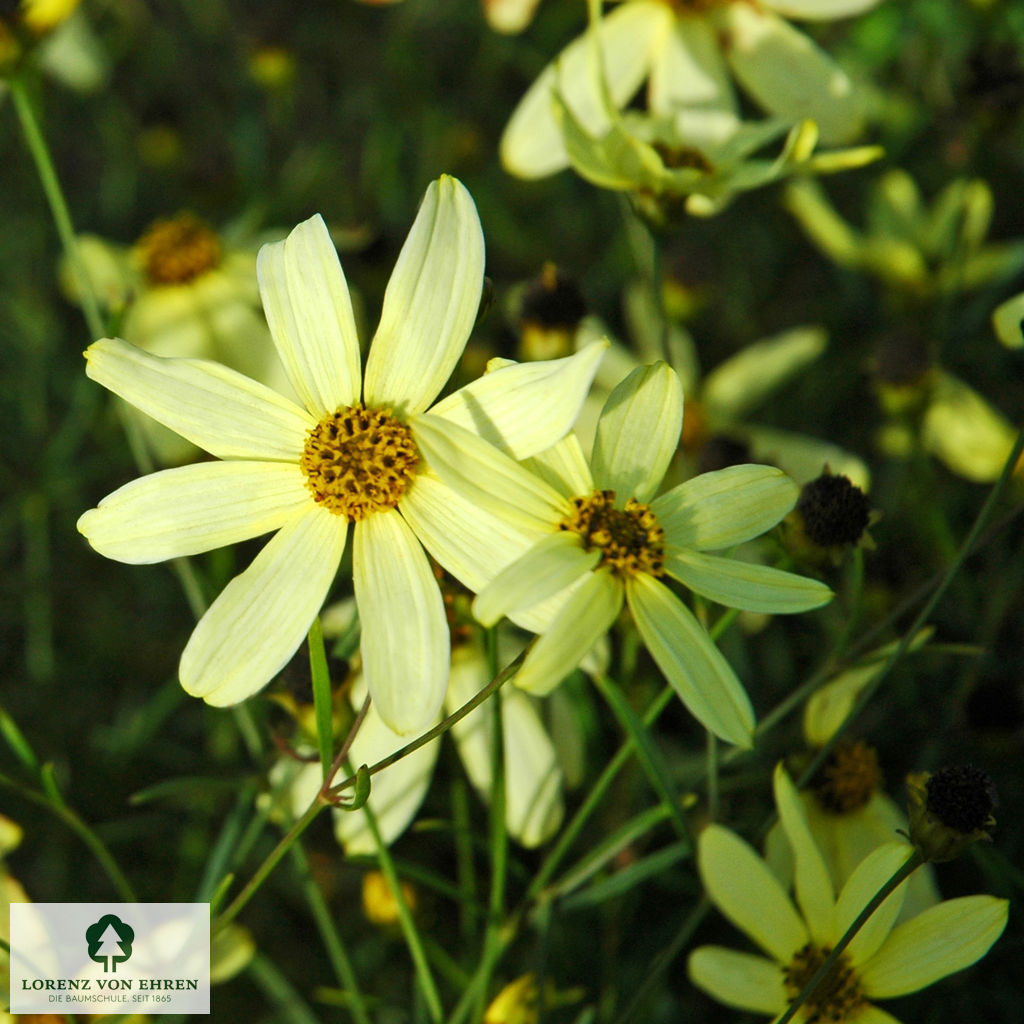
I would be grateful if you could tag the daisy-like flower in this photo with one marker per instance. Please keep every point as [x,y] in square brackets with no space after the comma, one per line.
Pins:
[685,50]
[848,811]
[348,455]
[882,961]
[603,538]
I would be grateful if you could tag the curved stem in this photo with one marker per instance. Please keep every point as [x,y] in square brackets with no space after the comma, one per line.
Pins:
[914,861]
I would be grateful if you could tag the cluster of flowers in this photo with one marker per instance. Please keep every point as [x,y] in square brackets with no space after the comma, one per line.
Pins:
[491,485]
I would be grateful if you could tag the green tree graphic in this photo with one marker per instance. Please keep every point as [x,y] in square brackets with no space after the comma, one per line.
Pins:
[110,941]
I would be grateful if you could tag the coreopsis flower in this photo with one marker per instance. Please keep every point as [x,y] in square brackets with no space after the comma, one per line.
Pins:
[348,455]
[685,51]
[882,961]
[848,811]
[56,37]
[918,251]
[602,539]
[533,778]
[183,290]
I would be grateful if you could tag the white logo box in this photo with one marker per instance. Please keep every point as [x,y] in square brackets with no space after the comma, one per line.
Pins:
[110,958]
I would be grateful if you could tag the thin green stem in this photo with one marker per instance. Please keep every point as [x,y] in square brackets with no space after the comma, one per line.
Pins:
[914,861]
[55,197]
[264,870]
[498,831]
[441,728]
[84,832]
[965,549]
[322,703]
[424,976]
[333,943]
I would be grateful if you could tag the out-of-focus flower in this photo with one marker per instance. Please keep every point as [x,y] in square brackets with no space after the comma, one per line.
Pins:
[509,16]
[831,517]
[881,962]
[231,949]
[379,904]
[519,1002]
[919,251]
[1007,319]
[668,176]
[55,36]
[848,812]
[685,52]
[549,311]
[183,291]
[349,454]
[603,538]
[932,410]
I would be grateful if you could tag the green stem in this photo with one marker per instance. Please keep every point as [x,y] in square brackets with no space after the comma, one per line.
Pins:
[264,870]
[333,944]
[868,693]
[55,197]
[914,861]
[84,832]
[322,703]
[405,919]
[498,833]
[647,753]
[442,727]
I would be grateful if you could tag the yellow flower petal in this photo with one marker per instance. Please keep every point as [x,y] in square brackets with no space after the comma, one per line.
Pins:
[309,311]
[194,508]
[405,641]
[232,653]
[431,302]
[941,940]
[741,886]
[743,980]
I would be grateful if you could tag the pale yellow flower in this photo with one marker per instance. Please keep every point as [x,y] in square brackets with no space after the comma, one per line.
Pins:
[602,539]
[686,52]
[348,454]
[882,961]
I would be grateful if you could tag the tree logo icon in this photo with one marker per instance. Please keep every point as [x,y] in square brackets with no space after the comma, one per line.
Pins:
[110,941]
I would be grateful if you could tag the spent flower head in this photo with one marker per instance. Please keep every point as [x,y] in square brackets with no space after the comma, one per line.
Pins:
[885,960]
[950,810]
[602,539]
[348,456]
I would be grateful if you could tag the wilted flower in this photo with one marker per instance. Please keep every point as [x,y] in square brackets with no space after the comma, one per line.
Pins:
[602,538]
[348,454]
[950,810]
[882,961]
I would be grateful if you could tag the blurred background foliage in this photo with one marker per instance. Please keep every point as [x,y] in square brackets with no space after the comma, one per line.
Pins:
[256,115]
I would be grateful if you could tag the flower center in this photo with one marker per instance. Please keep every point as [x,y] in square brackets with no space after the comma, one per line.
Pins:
[849,778]
[838,995]
[630,539]
[178,250]
[358,461]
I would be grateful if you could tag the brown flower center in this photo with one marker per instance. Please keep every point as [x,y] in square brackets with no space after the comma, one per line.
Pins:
[838,995]
[358,461]
[849,778]
[178,250]
[630,539]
